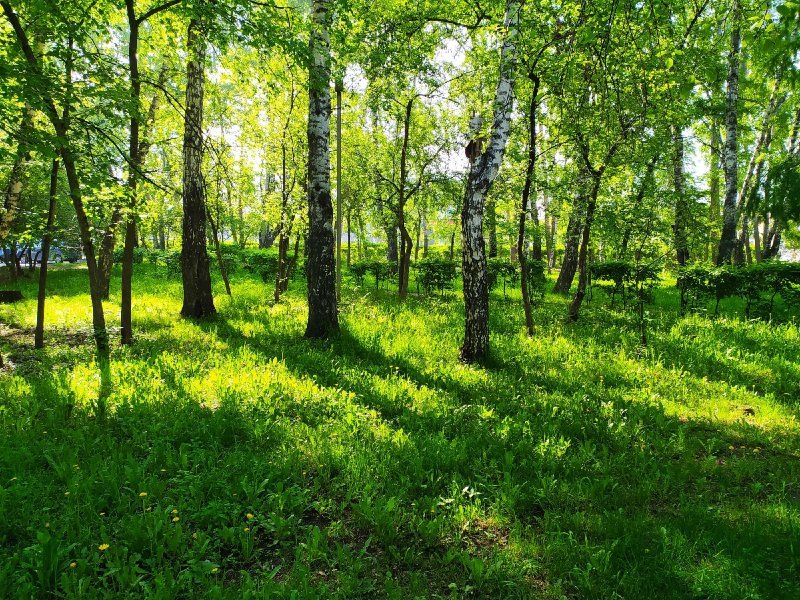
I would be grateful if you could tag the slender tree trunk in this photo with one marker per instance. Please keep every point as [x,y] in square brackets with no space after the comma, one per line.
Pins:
[569,264]
[452,246]
[713,192]
[575,305]
[482,174]
[419,233]
[681,202]
[323,318]
[406,243]
[727,243]
[198,300]
[223,270]
[757,238]
[38,334]
[424,235]
[348,237]
[526,191]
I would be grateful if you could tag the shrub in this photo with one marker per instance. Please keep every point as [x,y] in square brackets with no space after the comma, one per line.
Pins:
[435,273]
[500,269]
[381,270]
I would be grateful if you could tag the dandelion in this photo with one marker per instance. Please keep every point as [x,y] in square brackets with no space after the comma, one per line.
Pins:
[102,514]
[73,564]
[247,530]
[142,494]
[174,511]
[103,547]
[175,519]
[215,570]
[249,516]
[194,535]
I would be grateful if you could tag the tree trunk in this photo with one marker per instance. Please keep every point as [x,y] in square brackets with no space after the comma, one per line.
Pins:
[424,235]
[38,334]
[569,264]
[223,270]
[482,174]
[713,192]
[323,318]
[406,243]
[727,242]
[580,293]
[198,300]
[597,178]
[526,190]
[681,202]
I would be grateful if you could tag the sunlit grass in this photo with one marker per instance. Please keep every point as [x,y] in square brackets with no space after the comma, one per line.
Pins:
[376,465]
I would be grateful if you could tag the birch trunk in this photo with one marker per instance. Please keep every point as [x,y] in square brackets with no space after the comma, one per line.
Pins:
[681,204]
[713,191]
[198,300]
[323,318]
[481,176]
[569,264]
[727,242]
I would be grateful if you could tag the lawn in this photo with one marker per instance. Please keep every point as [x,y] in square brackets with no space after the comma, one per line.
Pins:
[236,459]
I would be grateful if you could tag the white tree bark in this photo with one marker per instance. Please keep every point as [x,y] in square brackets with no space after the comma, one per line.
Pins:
[481,176]
[321,269]
[727,241]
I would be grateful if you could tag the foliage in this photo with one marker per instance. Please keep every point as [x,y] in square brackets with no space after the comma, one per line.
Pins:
[435,274]
[381,270]
[751,283]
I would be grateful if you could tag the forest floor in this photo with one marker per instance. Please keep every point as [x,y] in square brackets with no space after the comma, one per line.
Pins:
[235,459]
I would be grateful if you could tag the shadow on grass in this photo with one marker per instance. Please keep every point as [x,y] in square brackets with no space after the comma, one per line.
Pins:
[549,465]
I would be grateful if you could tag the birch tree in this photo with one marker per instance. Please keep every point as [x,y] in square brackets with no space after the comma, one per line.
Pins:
[323,318]
[483,171]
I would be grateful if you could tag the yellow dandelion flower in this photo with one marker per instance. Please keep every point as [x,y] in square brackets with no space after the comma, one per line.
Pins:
[174,511]
[175,519]
[102,514]
[142,494]
[249,516]
[247,530]
[73,564]
[103,547]
[194,536]
[215,570]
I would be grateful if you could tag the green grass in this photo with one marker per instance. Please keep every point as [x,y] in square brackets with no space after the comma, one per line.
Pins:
[575,464]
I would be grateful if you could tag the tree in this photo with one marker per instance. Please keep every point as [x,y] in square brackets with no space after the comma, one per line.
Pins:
[198,300]
[323,317]
[482,173]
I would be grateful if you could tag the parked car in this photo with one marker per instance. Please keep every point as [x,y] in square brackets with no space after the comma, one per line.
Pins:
[59,252]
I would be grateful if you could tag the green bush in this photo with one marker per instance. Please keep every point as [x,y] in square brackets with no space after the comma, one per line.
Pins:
[537,279]
[380,270]
[435,274]
[501,270]
[756,284]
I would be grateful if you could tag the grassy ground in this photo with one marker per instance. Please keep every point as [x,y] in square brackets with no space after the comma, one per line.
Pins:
[239,460]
